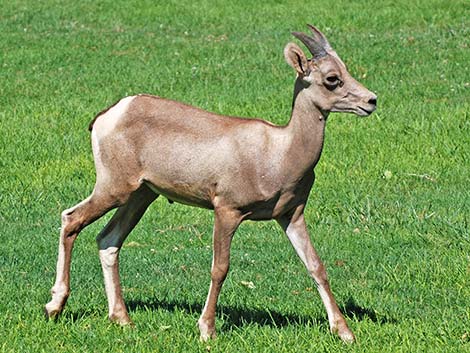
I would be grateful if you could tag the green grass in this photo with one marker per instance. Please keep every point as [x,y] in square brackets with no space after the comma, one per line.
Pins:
[389,213]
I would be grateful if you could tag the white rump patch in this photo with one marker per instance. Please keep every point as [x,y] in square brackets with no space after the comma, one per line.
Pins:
[106,122]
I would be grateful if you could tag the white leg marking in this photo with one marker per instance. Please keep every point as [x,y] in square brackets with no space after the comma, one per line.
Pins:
[109,259]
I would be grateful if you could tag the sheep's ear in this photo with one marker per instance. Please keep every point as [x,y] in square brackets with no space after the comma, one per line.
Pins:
[295,57]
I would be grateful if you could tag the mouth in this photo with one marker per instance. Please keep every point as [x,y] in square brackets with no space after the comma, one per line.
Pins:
[365,112]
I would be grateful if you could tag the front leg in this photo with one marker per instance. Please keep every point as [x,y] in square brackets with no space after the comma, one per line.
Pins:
[296,231]
[225,223]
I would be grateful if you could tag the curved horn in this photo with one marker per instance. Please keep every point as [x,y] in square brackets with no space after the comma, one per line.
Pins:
[317,45]
[319,36]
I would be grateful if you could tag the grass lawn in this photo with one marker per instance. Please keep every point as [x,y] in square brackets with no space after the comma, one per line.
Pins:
[389,213]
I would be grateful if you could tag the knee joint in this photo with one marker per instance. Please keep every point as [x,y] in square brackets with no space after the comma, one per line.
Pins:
[70,224]
[319,275]
[219,273]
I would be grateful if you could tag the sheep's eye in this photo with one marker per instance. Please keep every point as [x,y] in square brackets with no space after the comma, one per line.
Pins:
[332,79]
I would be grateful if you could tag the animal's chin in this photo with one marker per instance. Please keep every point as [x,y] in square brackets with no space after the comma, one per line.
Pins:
[364,112]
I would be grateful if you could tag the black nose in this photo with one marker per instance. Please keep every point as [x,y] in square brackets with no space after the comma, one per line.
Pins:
[373,101]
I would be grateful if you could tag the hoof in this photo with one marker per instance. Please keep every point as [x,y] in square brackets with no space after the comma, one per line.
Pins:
[347,336]
[344,333]
[207,332]
[207,336]
[123,320]
[51,312]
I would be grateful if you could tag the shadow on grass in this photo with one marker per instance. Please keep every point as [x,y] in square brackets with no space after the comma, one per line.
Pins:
[353,311]
[233,316]
[237,317]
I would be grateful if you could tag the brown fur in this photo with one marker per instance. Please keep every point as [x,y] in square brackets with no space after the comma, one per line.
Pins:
[146,146]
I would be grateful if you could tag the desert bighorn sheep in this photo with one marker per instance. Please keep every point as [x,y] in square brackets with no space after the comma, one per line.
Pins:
[145,146]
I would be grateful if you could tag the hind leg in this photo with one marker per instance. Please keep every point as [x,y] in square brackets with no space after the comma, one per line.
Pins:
[110,241]
[73,221]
